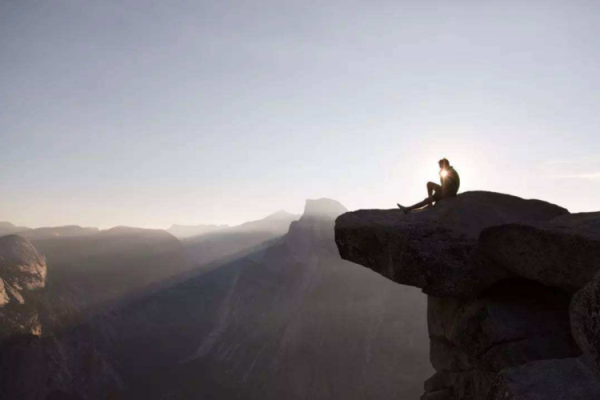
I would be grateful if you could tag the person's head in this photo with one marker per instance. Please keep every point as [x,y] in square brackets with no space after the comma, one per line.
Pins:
[444,163]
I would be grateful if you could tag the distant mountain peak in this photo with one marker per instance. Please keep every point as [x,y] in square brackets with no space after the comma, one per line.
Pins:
[129,231]
[8,228]
[323,208]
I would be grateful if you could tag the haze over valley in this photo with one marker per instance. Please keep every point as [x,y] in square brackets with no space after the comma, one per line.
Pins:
[299,200]
[275,314]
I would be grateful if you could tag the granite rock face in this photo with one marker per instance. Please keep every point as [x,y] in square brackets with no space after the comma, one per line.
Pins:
[436,249]
[512,324]
[563,252]
[21,266]
[22,274]
[585,322]
[500,273]
[567,379]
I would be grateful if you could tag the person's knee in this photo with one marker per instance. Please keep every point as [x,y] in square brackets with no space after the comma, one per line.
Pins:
[431,185]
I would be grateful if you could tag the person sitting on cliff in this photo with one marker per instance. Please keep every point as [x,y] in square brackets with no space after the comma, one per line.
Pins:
[450,183]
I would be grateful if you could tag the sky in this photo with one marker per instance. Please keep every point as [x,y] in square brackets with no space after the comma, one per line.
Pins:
[149,113]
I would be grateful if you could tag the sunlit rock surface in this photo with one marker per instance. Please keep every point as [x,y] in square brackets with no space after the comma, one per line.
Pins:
[22,273]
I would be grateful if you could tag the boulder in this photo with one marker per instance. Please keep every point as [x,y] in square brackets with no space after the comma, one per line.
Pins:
[585,321]
[520,352]
[562,252]
[566,379]
[436,249]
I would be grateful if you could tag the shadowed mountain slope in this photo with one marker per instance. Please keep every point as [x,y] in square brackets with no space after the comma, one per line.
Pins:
[93,267]
[289,320]
[222,243]
[293,321]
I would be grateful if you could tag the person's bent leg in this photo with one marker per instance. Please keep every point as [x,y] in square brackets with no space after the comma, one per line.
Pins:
[431,189]
[427,202]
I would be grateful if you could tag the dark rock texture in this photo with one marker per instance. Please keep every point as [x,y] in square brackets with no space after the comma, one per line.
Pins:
[74,365]
[512,324]
[567,379]
[563,252]
[436,249]
[585,321]
[500,273]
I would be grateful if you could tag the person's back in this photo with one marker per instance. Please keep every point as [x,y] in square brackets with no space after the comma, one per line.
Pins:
[450,182]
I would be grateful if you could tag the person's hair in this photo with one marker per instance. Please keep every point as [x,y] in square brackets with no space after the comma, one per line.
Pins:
[444,161]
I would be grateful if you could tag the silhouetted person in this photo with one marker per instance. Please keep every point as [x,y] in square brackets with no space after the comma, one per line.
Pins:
[450,183]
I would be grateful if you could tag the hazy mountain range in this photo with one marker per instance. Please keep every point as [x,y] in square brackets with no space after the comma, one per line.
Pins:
[7,228]
[277,315]
[186,231]
[218,244]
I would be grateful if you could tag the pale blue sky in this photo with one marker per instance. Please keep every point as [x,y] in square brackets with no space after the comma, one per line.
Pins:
[160,112]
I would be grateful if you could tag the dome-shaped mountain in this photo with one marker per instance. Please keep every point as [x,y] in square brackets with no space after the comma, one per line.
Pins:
[20,264]
[22,270]
[323,208]
[314,230]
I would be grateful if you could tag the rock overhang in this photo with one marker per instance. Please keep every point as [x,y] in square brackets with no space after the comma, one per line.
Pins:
[439,249]
[504,278]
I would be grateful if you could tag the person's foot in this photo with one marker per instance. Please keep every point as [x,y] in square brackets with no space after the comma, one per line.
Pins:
[404,209]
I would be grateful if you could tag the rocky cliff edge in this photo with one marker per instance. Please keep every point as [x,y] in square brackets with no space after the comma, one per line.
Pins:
[514,292]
